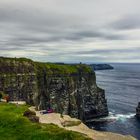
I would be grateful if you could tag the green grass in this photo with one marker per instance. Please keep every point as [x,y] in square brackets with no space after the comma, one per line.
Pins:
[15,65]
[13,126]
[62,69]
[22,59]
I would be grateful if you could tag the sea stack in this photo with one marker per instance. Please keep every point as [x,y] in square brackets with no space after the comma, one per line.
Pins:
[138,111]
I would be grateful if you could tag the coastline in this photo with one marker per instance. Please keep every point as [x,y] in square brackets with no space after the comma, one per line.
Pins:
[55,118]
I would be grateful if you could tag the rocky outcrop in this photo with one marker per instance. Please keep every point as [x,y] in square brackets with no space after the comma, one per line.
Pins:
[67,89]
[138,111]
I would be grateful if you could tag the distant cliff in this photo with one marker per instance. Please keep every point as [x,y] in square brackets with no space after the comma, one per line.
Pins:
[101,66]
[67,89]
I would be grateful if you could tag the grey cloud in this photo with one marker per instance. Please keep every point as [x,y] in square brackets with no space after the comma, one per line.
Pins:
[127,22]
[110,51]
[54,27]
[101,53]
[51,25]
[100,34]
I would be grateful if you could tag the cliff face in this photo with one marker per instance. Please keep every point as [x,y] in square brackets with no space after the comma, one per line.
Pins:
[66,89]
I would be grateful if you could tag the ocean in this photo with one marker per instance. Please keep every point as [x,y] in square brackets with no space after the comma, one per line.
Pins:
[122,88]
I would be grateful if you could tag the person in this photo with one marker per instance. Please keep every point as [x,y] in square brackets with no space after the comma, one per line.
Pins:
[7,98]
[50,110]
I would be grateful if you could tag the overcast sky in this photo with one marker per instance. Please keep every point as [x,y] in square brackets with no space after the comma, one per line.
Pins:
[71,30]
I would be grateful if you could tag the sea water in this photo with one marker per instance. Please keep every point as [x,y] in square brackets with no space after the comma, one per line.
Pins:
[122,88]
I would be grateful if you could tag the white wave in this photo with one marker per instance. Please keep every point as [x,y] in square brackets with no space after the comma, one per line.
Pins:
[115,117]
[119,116]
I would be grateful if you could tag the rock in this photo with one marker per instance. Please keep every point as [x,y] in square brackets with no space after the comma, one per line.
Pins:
[29,113]
[138,111]
[34,119]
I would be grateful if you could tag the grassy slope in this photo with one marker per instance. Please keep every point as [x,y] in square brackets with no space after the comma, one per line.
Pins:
[13,126]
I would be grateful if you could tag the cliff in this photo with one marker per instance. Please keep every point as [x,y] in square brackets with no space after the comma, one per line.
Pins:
[67,89]
[101,66]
